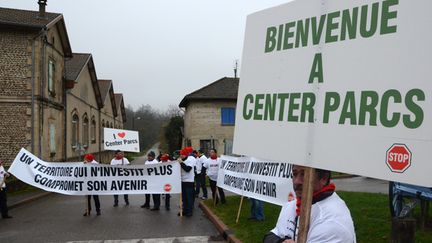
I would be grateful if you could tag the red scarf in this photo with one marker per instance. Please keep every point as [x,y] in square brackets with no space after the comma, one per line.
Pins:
[322,194]
[213,157]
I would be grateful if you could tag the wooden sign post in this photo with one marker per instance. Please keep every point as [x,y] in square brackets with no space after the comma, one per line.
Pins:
[306,204]
[239,210]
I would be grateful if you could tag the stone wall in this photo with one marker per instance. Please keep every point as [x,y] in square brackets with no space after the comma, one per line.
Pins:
[203,122]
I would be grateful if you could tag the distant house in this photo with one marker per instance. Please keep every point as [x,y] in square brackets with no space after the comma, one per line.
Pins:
[210,116]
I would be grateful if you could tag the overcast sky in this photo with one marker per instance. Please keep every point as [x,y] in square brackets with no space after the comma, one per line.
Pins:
[156,51]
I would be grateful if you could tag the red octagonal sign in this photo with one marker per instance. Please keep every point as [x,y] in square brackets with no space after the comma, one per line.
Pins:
[398,158]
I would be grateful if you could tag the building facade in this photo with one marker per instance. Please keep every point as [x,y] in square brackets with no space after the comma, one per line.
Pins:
[50,99]
[209,117]
[33,50]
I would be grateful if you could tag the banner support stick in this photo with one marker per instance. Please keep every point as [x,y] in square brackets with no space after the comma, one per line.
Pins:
[181,204]
[306,204]
[215,197]
[239,210]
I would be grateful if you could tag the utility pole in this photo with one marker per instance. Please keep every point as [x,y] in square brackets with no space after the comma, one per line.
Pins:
[235,68]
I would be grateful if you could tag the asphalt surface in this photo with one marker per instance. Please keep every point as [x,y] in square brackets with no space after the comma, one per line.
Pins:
[58,218]
[361,184]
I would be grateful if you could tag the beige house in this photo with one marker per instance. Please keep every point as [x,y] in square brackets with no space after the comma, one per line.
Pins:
[83,105]
[120,119]
[50,99]
[210,116]
[90,108]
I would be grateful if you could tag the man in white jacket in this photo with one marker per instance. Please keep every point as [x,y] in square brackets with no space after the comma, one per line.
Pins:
[156,197]
[200,174]
[89,159]
[119,159]
[330,221]
[3,198]
[187,164]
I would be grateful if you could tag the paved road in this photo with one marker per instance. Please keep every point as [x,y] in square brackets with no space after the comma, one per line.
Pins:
[142,159]
[58,218]
[361,184]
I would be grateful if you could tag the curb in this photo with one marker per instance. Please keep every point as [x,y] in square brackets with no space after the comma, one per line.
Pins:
[227,234]
[28,200]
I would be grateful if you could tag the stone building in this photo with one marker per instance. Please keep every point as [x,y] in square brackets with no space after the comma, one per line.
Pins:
[50,99]
[90,108]
[209,117]
[33,49]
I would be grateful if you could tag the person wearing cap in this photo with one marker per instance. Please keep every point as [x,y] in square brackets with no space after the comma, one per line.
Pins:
[119,159]
[89,159]
[165,158]
[156,197]
[187,164]
[200,175]
[212,165]
[3,198]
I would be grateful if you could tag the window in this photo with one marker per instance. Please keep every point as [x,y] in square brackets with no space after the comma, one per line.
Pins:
[228,116]
[52,142]
[85,132]
[75,126]
[93,130]
[205,146]
[51,72]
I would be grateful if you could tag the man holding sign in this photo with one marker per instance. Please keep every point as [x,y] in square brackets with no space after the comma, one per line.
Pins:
[330,221]
[119,159]
[89,159]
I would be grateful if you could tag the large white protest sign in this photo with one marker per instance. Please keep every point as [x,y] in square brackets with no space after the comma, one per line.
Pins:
[260,179]
[118,139]
[93,179]
[339,85]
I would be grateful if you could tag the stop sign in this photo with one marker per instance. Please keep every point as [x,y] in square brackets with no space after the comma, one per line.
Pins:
[167,187]
[398,158]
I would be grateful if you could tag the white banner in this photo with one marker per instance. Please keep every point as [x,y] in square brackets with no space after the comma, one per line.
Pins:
[260,179]
[339,85]
[118,139]
[94,179]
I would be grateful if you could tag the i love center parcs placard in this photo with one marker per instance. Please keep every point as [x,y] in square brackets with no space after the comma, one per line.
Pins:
[124,140]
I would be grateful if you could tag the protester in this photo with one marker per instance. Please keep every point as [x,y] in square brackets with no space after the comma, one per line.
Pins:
[89,159]
[187,163]
[257,209]
[330,219]
[119,159]
[3,190]
[166,158]
[212,165]
[156,197]
[200,175]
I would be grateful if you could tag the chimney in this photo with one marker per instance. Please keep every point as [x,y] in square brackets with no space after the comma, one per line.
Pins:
[42,5]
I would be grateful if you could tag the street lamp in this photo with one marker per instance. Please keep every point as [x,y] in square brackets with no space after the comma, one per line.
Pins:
[133,121]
